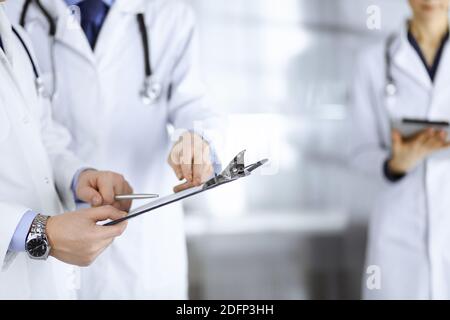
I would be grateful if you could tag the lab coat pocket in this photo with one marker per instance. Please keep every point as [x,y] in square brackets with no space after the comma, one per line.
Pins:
[5,125]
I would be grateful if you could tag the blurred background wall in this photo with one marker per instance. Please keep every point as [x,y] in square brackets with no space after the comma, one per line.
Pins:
[280,70]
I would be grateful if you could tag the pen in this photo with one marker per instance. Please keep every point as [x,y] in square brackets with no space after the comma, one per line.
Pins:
[135,197]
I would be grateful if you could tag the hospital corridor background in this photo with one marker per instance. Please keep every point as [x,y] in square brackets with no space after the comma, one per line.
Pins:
[281,71]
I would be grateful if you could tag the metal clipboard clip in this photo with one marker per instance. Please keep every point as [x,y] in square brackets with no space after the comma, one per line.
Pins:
[234,171]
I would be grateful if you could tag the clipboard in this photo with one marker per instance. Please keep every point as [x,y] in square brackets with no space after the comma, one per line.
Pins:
[234,171]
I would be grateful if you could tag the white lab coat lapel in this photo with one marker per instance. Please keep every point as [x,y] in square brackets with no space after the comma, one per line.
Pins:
[10,52]
[442,79]
[409,62]
[68,30]
[110,33]
[7,34]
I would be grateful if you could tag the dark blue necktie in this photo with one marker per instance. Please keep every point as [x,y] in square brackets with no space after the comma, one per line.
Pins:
[93,14]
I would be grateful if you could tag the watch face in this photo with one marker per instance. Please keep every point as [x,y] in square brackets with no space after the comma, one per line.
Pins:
[37,247]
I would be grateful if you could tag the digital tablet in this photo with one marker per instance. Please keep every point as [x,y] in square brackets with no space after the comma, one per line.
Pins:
[409,126]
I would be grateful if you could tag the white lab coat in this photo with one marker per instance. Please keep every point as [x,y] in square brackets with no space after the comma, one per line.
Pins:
[98,100]
[409,236]
[35,167]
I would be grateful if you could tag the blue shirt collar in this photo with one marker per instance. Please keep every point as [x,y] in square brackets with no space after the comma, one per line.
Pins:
[75,2]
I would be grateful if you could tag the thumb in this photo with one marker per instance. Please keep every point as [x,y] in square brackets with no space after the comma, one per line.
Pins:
[396,138]
[90,195]
[105,213]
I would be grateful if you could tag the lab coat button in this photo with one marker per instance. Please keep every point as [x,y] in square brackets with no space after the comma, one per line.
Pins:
[26,120]
[47,180]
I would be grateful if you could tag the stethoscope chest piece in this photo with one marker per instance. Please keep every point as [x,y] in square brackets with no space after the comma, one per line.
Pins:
[40,87]
[390,93]
[151,91]
[391,90]
[42,90]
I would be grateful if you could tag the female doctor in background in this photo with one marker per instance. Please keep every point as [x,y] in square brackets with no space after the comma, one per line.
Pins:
[95,74]
[407,76]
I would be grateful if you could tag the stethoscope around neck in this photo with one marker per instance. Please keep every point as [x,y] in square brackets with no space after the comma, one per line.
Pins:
[391,89]
[151,89]
[40,88]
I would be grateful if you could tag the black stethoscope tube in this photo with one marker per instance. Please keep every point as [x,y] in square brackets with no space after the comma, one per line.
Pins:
[33,64]
[48,17]
[145,42]
[391,86]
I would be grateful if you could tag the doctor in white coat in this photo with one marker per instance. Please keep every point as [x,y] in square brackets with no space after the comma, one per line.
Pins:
[95,73]
[407,76]
[39,179]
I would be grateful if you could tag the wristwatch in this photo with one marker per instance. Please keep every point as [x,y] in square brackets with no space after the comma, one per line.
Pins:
[37,244]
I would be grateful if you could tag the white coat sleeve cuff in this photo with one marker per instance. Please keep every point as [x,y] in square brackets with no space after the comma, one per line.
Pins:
[12,216]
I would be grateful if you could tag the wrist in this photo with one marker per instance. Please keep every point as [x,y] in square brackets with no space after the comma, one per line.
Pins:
[397,168]
[37,243]
[49,231]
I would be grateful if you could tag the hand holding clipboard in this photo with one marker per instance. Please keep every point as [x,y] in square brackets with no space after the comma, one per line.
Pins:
[234,171]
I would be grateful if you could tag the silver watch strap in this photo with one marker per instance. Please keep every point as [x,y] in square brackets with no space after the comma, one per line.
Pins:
[39,224]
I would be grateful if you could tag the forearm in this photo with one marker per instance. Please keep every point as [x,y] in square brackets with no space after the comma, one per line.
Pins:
[390,174]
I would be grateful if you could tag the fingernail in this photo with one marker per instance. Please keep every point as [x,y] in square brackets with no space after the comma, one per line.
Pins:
[96,201]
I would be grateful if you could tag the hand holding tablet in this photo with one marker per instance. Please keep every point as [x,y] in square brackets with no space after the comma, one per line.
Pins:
[415,140]
[409,127]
